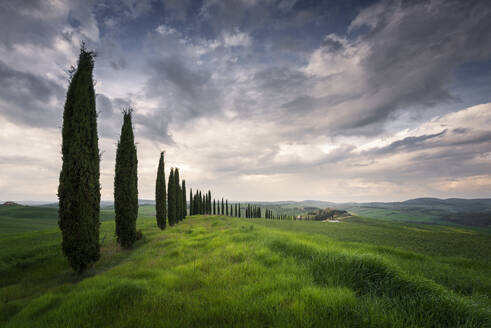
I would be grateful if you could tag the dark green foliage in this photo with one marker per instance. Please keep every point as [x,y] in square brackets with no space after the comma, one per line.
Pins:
[226,207]
[126,185]
[171,199]
[161,195]
[223,207]
[200,203]
[214,207]
[178,193]
[79,189]
[184,201]
[191,202]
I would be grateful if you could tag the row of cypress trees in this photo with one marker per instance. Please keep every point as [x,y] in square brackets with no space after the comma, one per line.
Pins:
[199,203]
[253,211]
[170,202]
[79,187]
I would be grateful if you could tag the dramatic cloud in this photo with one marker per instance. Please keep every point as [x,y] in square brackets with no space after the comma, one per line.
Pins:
[258,99]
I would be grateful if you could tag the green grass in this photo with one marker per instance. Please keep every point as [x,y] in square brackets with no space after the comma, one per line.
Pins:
[19,218]
[217,271]
[407,215]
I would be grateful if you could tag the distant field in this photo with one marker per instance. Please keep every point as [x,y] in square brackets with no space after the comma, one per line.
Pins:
[219,272]
[18,218]
[408,215]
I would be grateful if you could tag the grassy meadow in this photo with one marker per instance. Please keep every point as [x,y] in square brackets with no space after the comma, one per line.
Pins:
[20,218]
[221,271]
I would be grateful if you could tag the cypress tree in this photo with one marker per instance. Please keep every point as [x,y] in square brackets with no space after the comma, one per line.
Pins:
[191,201]
[206,203]
[226,207]
[223,207]
[214,207]
[161,195]
[126,184]
[195,203]
[184,200]
[200,203]
[79,189]
[171,199]
[178,193]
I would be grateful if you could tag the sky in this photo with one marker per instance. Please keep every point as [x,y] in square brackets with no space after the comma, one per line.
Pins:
[259,100]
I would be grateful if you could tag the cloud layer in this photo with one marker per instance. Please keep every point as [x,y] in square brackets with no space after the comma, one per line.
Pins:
[259,99]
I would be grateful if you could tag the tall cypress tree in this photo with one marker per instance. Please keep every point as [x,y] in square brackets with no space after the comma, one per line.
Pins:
[209,202]
[184,201]
[126,184]
[214,207]
[223,207]
[191,201]
[200,203]
[178,193]
[205,204]
[171,199]
[79,189]
[195,203]
[161,195]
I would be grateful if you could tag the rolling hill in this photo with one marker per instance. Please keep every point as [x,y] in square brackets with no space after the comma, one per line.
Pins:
[221,271]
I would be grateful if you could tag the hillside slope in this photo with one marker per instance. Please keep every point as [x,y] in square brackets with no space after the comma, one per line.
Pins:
[217,271]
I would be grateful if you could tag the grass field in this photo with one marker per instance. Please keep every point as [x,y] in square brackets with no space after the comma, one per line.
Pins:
[19,218]
[218,271]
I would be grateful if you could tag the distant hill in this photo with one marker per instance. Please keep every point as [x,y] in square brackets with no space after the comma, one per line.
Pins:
[472,212]
[452,211]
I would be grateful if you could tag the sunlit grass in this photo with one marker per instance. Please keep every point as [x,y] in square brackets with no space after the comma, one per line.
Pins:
[216,271]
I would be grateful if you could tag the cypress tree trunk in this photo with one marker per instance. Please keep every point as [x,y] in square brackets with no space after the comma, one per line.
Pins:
[161,195]
[79,189]
[126,185]
[171,199]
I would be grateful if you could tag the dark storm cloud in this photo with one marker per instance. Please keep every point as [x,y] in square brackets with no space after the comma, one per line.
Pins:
[25,22]
[110,115]
[408,144]
[405,63]
[28,98]
[186,91]
[415,48]
[153,126]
